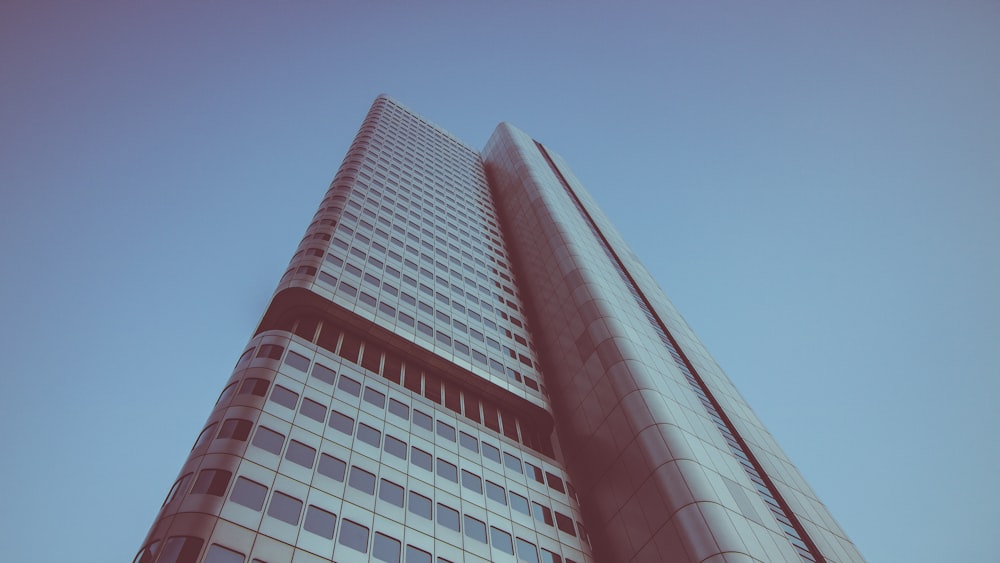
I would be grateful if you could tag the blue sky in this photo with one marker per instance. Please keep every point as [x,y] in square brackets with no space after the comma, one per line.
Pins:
[815,185]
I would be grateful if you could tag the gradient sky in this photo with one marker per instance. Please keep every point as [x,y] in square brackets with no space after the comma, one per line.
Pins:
[816,185]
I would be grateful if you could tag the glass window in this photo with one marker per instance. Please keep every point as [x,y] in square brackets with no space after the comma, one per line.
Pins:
[549,557]
[349,385]
[324,374]
[284,397]
[331,467]
[519,503]
[270,351]
[235,429]
[475,529]
[496,492]
[420,505]
[512,462]
[446,431]
[501,540]
[354,536]
[369,435]
[555,482]
[248,493]
[178,487]
[395,447]
[399,409]
[565,523]
[385,548]
[491,453]
[205,436]
[534,472]
[447,470]
[391,493]
[423,420]
[300,453]
[414,555]
[362,480]
[211,482]
[268,440]
[374,397]
[218,554]
[254,386]
[472,482]
[313,410]
[285,508]
[420,458]
[468,442]
[320,522]
[181,549]
[448,517]
[341,422]
[526,551]
[542,513]
[226,393]
[298,361]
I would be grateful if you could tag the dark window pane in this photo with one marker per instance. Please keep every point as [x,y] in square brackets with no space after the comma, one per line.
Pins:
[519,503]
[420,505]
[313,410]
[298,361]
[555,482]
[385,548]
[496,492]
[446,431]
[349,385]
[362,480]
[301,454]
[181,549]
[254,386]
[549,557]
[468,442]
[395,447]
[235,429]
[354,536]
[501,540]
[526,551]
[534,472]
[399,409]
[374,397]
[390,492]
[320,522]
[423,420]
[248,493]
[565,523]
[447,470]
[285,508]
[448,517]
[324,374]
[331,467]
[472,482]
[420,458]
[270,351]
[542,513]
[491,453]
[211,482]
[512,463]
[414,555]
[475,529]
[369,435]
[268,440]
[284,397]
[218,554]
[342,422]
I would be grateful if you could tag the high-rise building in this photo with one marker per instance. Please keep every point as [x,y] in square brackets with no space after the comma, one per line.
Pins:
[465,362]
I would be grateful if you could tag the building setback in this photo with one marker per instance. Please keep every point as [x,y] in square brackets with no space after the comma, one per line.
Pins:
[465,362]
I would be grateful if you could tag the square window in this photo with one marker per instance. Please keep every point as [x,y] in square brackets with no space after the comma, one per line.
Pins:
[468,442]
[395,446]
[361,480]
[501,540]
[565,523]
[341,422]
[542,513]
[284,397]
[320,522]
[218,554]
[399,409]
[512,463]
[375,397]
[472,482]
[447,470]
[254,386]
[331,467]
[349,385]
[298,361]
[391,493]
[300,453]
[420,458]
[448,517]
[235,429]
[526,551]
[555,482]
[324,374]
[285,508]
[420,505]
[491,453]
[268,440]
[414,555]
[354,536]
[446,431]
[385,548]
[534,472]
[248,493]
[549,557]
[496,492]
[313,410]
[519,503]
[475,529]
[423,420]
[369,435]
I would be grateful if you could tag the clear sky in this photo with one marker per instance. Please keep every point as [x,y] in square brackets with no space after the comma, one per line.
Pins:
[815,184]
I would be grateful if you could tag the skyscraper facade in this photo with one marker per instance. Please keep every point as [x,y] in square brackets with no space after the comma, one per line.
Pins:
[464,362]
